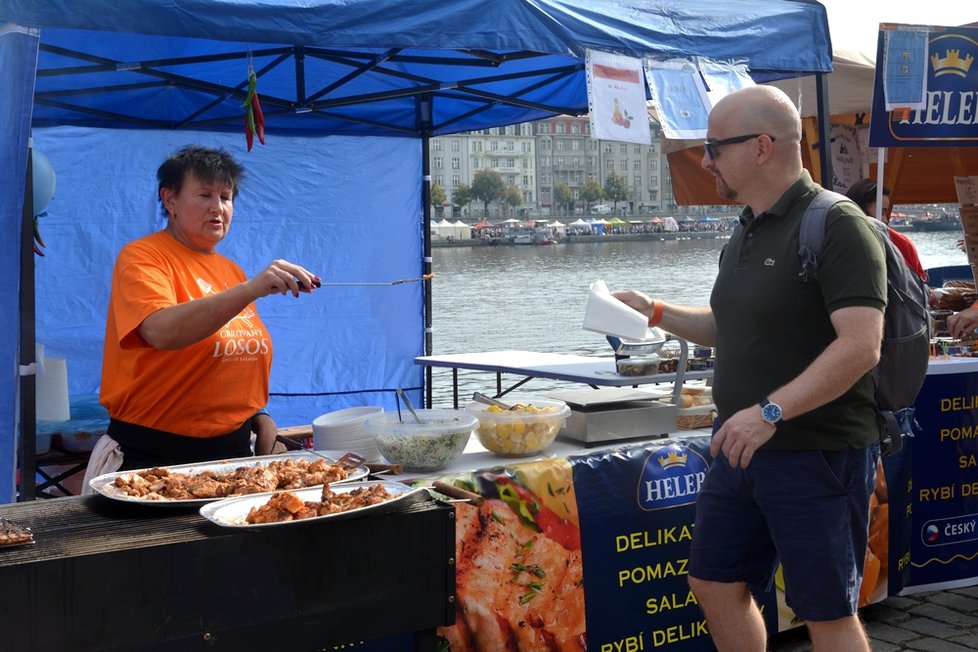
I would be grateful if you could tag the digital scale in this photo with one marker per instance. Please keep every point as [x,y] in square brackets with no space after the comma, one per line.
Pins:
[603,415]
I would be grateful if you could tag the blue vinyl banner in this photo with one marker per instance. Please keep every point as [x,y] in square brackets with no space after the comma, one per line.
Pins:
[591,551]
[949,116]
[944,497]
[637,507]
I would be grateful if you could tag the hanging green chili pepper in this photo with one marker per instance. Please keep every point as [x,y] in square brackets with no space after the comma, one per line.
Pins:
[249,110]
[250,115]
[252,85]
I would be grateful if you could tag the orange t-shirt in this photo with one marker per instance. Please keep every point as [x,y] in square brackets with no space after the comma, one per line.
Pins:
[206,389]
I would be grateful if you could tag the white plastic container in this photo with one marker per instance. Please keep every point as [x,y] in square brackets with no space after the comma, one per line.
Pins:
[342,431]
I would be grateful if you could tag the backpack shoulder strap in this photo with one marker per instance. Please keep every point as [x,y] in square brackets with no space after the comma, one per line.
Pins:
[812,234]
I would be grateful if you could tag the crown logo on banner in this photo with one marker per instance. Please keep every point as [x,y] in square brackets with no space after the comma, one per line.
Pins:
[673,459]
[951,64]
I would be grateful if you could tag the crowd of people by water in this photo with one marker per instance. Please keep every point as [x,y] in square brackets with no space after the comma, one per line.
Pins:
[541,232]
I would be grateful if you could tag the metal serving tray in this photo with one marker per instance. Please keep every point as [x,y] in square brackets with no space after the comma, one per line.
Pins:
[231,512]
[104,484]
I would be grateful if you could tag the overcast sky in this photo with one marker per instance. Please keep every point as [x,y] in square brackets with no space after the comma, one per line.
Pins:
[854,24]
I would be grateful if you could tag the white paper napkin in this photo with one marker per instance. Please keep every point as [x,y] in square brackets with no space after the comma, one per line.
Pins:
[606,314]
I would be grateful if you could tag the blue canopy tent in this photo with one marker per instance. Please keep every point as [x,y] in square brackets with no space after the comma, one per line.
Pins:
[351,92]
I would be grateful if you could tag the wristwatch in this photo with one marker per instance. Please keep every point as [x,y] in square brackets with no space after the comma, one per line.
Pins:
[770,412]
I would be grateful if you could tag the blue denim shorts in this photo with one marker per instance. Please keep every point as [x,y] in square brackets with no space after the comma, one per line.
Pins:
[807,509]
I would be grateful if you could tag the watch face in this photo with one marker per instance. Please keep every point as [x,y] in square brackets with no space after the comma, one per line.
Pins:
[771,412]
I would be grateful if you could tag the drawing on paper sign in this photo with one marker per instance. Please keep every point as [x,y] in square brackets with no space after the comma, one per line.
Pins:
[620,116]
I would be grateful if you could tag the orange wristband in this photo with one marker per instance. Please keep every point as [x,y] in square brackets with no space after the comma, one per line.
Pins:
[656,313]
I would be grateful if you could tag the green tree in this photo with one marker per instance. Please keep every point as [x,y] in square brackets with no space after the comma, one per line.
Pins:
[513,197]
[438,198]
[462,195]
[563,196]
[590,192]
[615,189]
[487,186]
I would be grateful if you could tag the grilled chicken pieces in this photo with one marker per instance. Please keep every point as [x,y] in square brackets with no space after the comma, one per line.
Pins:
[286,506]
[162,484]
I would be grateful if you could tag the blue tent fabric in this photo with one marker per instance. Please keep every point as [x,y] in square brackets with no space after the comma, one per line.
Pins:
[775,35]
[356,67]
[351,90]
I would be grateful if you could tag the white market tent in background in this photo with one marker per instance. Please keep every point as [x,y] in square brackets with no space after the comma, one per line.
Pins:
[351,91]
[558,227]
[444,229]
[462,230]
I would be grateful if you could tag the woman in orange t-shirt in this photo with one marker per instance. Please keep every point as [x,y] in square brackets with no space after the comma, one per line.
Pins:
[187,358]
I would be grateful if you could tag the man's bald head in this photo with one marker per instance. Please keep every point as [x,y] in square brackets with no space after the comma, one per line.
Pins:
[759,110]
[761,152]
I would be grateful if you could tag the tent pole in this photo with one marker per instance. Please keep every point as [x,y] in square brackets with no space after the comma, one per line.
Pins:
[880,176]
[28,387]
[824,130]
[425,117]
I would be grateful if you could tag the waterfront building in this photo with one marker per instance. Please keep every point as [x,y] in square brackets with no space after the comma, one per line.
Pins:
[508,150]
[536,156]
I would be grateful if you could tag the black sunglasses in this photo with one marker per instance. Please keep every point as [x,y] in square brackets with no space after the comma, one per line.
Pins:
[712,147]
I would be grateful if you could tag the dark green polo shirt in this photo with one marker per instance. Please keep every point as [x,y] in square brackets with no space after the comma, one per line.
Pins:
[771,325]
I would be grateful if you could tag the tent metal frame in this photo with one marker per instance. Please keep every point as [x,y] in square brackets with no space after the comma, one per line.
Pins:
[360,63]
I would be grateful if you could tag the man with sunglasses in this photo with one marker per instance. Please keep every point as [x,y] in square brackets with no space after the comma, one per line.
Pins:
[795,445]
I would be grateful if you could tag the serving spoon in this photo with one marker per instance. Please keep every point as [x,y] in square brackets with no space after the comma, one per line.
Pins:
[488,400]
[403,396]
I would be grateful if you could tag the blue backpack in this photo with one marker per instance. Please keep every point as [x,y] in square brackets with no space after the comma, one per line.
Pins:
[905,350]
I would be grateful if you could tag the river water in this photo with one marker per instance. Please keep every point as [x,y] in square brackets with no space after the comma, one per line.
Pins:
[532,297]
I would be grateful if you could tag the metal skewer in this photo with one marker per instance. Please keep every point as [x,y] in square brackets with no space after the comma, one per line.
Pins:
[426,277]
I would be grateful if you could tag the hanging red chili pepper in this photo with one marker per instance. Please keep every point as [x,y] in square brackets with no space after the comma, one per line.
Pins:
[38,240]
[259,117]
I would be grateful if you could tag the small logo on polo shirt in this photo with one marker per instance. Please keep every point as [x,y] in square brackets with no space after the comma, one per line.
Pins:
[769,262]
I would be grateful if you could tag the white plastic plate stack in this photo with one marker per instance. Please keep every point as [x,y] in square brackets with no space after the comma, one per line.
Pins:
[343,431]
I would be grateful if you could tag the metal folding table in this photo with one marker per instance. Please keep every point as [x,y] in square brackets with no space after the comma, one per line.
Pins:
[588,370]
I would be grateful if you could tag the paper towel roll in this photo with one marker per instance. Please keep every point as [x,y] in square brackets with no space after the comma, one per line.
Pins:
[51,402]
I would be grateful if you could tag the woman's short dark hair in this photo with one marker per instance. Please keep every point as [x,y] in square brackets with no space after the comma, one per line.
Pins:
[863,192]
[207,164]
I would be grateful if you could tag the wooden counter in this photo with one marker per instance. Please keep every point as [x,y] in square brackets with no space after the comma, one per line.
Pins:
[112,576]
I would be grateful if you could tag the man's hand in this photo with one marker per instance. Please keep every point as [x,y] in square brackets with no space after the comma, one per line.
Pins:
[963,323]
[741,435]
[635,300]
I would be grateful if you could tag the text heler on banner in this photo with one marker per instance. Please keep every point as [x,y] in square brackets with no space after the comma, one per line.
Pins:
[948,116]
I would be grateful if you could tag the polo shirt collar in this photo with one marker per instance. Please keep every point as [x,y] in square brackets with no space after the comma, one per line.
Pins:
[782,206]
